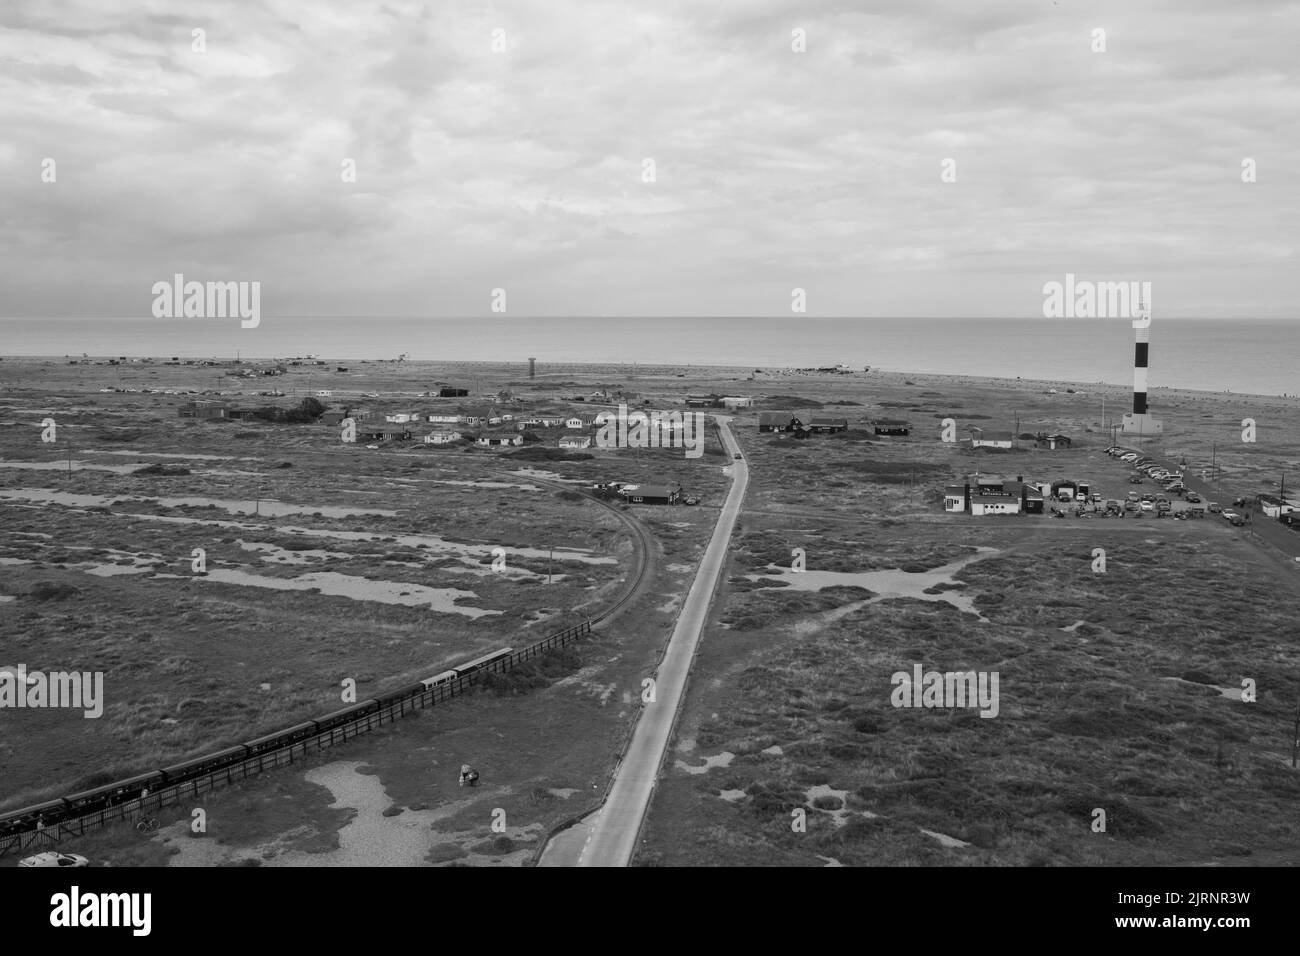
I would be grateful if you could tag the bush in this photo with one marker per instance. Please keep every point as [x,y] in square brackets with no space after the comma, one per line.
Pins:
[866,725]
[52,591]
[539,672]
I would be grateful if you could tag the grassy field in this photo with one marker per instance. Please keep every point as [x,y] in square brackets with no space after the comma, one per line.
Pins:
[324,562]
[187,657]
[1113,686]
[1119,691]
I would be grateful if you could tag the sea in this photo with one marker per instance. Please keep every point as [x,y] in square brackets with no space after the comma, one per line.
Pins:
[1254,356]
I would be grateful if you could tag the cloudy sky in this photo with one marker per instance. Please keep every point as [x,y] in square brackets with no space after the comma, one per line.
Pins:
[523,168]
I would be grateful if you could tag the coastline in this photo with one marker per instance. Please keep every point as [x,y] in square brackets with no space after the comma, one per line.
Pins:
[696,375]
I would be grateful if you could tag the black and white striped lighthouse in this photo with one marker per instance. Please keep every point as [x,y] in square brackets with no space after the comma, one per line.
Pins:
[1139,422]
[1141,349]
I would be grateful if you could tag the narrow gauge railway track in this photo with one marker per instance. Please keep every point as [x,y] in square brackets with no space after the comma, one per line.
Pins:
[98,800]
[642,555]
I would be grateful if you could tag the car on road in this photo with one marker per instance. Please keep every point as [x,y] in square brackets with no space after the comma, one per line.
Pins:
[373,447]
[1135,480]
[739,456]
[50,858]
[692,500]
[1129,457]
[1234,519]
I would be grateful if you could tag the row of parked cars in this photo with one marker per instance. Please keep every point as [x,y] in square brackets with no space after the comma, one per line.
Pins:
[1171,481]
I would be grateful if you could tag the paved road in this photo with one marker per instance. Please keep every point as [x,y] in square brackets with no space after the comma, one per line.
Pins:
[612,834]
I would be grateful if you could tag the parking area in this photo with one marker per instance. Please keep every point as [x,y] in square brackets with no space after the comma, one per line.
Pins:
[1149,488]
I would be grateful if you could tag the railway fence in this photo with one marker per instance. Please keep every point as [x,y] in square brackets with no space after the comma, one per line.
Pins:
[50,835]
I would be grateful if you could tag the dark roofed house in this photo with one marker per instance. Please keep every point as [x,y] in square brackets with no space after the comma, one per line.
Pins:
[204,410]
[650,494]
[1053,442]
[891,426]
[778,421]
[386,433]
[822,424]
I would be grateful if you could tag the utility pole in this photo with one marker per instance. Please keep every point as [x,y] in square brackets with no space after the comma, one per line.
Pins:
[549,556]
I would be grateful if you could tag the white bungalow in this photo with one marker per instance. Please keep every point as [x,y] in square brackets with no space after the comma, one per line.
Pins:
[442,437]
[991,440]
[574,422]
[443,419]
[994,505]
[575,441]
[500,440]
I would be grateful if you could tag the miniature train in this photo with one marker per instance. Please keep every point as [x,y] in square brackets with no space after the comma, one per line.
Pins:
[124,791]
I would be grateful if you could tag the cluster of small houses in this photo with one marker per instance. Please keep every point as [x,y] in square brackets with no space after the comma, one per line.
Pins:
[990,495]
[800,427]
[503,428]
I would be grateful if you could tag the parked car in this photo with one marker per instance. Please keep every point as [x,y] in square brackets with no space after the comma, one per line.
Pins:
[692,500]
[50,858]
[1080,496]
[1193,499]
[1130,506]
[1135,480]
[1129,457]
[1149,497]
[1147,506]
[1096,498]
[1215,507]
[1133,496]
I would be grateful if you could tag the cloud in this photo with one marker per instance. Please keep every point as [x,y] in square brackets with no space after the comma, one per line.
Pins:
[523,168]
